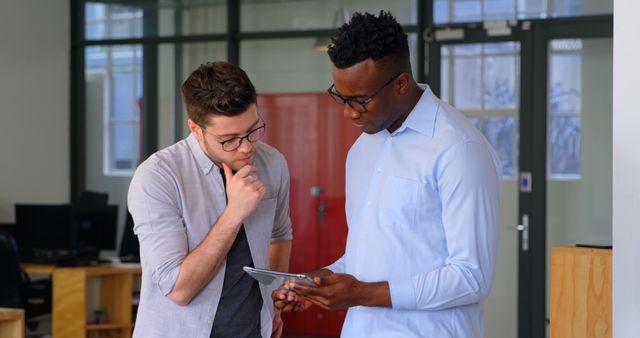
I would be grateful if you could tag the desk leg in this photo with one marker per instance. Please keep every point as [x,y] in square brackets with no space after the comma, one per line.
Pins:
[116,291]
[69,303]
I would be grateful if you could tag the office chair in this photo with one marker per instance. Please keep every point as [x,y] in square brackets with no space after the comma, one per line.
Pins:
[16,288]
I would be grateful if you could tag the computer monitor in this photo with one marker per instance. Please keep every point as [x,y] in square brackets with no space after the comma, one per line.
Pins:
[40,226]
[129,245]
[96,227]
[92,198]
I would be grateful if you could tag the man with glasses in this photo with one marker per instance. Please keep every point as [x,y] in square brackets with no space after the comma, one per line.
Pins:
[422,200]
[207,206]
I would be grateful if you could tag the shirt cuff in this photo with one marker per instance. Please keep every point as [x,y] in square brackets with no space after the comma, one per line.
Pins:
[336,267]
[403,296]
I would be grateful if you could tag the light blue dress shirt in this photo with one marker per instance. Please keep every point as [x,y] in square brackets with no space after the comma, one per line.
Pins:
[422,206]
[175,197]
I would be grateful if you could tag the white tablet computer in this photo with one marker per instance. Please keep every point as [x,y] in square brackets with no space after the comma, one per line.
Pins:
[276,278]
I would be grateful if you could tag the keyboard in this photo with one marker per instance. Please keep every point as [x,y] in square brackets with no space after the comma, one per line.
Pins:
[57,257]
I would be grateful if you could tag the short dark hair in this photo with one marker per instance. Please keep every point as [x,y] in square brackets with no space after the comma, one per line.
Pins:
[217,88]
[369,36]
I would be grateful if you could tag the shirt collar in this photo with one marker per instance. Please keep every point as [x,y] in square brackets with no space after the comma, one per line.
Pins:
[204,162]
[423,115]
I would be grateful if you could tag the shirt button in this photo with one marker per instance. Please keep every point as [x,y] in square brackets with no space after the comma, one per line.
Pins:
[361,238]
[209,321]
[379,170]
[389,138]
[358,273]
[369,203]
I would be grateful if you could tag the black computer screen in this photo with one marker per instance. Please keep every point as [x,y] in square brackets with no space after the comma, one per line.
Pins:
[96,227]
[41,226]
[129,245]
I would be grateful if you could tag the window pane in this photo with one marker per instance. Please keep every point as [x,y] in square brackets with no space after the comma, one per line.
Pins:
[500,87]
[316,14]
[440,11]
[499,132]
[565,76]
[566,7]
[499,9]
[501,48]
[112,21]
[113,76]
[466,10]
[564,145]
[94,11]
[485,85]
[95,30]
[125,28]
[467,49]
[532,9]
[449,11]
[467,78]
[125,146]
[125,95]
[192,17]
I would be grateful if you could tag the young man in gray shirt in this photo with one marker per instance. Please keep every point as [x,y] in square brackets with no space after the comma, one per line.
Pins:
[207,206]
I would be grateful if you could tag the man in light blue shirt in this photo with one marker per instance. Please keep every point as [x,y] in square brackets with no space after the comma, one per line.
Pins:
[207,206]
[422,200]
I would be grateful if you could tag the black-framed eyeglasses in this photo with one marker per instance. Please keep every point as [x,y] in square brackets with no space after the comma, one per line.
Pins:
[254,135]
[358,103]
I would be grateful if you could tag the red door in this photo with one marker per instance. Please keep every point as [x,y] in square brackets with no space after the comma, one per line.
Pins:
[314,137]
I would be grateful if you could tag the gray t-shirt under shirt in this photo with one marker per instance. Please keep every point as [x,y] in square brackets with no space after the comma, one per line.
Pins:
[238,313]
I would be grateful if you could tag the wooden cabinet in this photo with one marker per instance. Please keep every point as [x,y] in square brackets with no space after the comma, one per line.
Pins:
[70,293]
[11,323]
[580,305]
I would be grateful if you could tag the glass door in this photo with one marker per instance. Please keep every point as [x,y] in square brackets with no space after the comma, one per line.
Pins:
[579,143]
[542,97]
[483,81]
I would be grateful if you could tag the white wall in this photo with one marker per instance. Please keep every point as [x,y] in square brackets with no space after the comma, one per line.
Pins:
[34,103]
[626,168]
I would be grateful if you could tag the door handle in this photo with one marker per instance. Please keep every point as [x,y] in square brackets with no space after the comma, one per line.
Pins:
[322,209]
[316,192]
[524,230]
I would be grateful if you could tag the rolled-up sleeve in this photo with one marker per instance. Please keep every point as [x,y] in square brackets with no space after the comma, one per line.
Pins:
[153,203]
[282,222]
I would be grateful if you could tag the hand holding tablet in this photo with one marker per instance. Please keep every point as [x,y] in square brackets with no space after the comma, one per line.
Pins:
[277,278]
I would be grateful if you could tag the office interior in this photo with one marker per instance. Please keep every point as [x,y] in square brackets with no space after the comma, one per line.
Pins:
[90,88]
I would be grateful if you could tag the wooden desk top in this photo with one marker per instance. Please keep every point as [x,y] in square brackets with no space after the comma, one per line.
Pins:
[10,314]
[581,250]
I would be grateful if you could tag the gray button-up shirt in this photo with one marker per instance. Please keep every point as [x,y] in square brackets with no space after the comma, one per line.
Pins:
[175,196]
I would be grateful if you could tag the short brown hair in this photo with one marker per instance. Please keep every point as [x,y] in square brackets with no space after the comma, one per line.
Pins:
[217,88]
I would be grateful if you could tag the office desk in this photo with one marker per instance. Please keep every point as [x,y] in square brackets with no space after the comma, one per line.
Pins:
[580,295]
[11,323]
[69,313]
